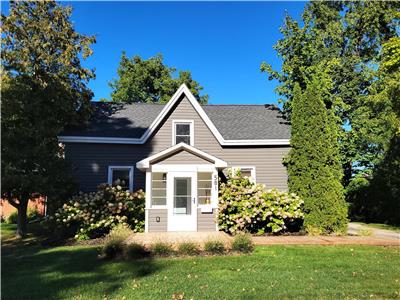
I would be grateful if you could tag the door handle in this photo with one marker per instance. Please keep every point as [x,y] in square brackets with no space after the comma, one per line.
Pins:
[194,200]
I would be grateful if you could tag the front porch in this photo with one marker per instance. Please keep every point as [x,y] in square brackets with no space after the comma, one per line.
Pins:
[181,190]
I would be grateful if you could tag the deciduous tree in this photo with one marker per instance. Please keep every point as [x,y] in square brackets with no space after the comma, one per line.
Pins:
[150,81]
[43,90]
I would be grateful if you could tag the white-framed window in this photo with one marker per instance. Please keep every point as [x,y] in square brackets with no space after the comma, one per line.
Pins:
[246,171]
[158,189]
[183,131]
[122,176]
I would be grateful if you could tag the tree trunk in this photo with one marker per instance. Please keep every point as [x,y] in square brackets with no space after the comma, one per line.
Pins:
[21,221]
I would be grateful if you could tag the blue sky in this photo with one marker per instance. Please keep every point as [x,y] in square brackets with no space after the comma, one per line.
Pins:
[221,43]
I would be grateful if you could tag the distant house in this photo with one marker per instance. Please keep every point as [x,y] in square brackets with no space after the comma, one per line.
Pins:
[176,151]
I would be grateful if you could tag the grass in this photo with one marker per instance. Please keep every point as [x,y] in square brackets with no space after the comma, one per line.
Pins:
[301,272]
[381,226]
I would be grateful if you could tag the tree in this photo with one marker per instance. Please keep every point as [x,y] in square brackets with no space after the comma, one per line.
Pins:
[150,81]
[313,162]
[43,90]
[352,33]
[375,195]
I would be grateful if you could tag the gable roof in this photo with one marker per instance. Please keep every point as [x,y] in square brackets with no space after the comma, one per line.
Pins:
[230,124]
[145,163]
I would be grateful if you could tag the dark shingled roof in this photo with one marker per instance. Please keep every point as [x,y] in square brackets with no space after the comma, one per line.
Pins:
[234,122]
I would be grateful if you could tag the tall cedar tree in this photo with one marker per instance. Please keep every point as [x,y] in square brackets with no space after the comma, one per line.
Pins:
[150,81]
[314,162]
[43,90]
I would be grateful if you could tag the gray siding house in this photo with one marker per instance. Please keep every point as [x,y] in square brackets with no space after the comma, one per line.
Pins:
[176,151]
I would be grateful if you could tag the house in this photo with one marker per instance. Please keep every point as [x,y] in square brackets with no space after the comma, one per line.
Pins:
[176,151]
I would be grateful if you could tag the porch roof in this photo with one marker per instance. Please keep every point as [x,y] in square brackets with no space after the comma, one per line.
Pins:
[145,163]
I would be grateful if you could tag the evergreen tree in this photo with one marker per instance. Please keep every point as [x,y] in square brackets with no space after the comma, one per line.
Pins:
[313,162]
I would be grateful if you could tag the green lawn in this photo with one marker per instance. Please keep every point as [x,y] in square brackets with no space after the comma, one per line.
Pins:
[381,226]
[31,272]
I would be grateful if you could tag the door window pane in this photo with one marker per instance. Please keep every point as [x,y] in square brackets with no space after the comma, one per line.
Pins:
[182,196]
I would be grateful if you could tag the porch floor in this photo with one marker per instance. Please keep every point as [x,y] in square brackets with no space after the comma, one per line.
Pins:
[179,237]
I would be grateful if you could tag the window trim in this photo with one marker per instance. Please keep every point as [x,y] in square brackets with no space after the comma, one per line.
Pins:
[191,124]
[253,171]
[131,170]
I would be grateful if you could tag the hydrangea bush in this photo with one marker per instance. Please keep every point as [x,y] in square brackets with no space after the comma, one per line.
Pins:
[248,207]
[91,215]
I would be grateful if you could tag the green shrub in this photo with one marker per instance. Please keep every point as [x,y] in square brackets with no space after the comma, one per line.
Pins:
[135,251]
[188,248]
[162,249]
[243,243]
[33,215]
[214,247]
[91,215]
[248,207]
[114,243]
[13,218]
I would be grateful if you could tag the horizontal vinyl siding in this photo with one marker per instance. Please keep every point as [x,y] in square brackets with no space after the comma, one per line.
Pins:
[91,161]
[206,221]
[155,226]
[184,158]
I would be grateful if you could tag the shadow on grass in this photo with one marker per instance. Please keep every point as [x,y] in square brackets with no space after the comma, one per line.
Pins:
[32,272]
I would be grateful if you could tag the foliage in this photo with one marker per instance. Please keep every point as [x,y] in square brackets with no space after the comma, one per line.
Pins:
[248,207]
[93,214]
[160,248]
[135,251]
[188,248]
[350,34]
[313,162]
[114,243]
[243,243]
[376,200]
[44,89]
[12,218]
[150,81]
[214,247]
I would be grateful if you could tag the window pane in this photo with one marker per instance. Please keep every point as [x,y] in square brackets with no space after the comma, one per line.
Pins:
[184,139]
[182,196]
[204,185]
[182,129]
[246,172]
[121,178]
[159,189]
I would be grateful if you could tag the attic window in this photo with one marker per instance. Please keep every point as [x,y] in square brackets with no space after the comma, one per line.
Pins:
[182,132]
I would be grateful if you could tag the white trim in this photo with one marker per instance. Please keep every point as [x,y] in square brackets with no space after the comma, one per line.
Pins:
[130,168]
[253,171]
[183,89]
[191,124]
[145,163]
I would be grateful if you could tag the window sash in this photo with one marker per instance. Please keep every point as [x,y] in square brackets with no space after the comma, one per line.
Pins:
[129,185]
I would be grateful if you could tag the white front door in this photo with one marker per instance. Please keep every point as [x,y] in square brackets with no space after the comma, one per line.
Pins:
[182,201]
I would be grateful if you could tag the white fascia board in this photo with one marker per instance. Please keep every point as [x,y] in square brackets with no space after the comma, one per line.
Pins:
[101,140]
[270,142]
[145,163]
[183,89]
